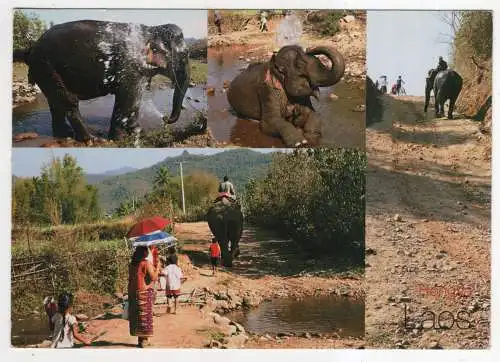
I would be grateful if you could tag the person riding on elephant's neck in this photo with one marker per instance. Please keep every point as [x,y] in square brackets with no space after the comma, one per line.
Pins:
[227,187]
[442,65]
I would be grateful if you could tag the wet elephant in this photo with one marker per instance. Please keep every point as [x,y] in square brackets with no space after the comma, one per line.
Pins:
[86,59]
[225,220]
[291,77]
[446,84]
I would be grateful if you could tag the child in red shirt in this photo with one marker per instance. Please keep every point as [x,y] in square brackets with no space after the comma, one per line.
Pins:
[214,254]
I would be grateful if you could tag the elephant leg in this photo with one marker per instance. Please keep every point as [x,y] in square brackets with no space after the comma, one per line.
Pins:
[292,136]
[272,118]
[76,121]
[226,254]
[312,130]
[62,102]
[451,107]
[125,114]
[60,128]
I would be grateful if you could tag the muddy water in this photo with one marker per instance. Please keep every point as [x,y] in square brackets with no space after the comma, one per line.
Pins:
[29,331]
[35,116]
[342,126]
[325,315]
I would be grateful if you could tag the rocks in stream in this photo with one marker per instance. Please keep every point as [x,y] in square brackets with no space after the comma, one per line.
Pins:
[234,333]
[22,92]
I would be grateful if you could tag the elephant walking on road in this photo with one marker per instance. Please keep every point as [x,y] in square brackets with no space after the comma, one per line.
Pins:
[265,92]
[225,220]
[86,59]
[446,84]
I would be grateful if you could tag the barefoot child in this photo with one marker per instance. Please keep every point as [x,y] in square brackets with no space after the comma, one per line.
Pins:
[174,277]
[65,324]
[214,254]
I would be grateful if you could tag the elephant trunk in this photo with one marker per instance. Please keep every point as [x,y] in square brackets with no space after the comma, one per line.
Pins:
[319,74]
[181,78]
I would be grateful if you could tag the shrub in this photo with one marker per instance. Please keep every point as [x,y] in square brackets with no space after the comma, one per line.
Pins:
[315,196]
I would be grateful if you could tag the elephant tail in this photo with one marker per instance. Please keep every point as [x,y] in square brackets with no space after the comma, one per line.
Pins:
[21,55]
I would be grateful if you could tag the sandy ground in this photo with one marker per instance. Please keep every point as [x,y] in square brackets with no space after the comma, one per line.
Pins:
[428,230]
[257,273]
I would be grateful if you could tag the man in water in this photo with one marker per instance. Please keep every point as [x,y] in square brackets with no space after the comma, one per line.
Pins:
[218,21]
[399,84]
[442,65]
[227,187]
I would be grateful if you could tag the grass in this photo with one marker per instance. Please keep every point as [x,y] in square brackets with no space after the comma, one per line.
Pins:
[199,72]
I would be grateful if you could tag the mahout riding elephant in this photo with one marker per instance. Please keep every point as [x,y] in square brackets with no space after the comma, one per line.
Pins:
[86,59]
[225,220]
[264,90]
[446,84]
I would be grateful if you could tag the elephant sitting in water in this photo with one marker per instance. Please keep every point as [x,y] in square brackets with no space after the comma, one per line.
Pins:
[446,84]
[225,220]
[273,91]
[86,59]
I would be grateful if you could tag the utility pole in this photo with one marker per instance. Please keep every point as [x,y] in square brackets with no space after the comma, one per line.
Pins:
[182,188]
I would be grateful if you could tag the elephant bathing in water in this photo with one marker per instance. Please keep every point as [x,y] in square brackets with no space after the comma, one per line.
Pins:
[225,220]
[271,91]
[86,59]
[446,84]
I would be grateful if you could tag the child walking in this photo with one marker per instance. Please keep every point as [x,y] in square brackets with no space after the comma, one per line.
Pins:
[174,277]
[65,324]
[214,254]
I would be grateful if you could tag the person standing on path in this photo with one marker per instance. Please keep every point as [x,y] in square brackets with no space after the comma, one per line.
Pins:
[263,21]
[399,84]
[218,21]
[142,277]
[215,254]
[174,277]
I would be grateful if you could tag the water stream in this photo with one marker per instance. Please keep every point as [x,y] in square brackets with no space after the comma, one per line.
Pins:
[320,314]
[35,116]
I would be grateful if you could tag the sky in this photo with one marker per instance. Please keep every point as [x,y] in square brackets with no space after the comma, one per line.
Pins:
[406,43]
[27,162]
[192,22]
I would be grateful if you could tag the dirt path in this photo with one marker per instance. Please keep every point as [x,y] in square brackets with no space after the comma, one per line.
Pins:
[266,269]
[428,230]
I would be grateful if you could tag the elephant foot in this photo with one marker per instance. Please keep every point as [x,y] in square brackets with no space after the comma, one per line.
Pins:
[83,137]
[312,138]
[302,144]
[64,132]
[236,252]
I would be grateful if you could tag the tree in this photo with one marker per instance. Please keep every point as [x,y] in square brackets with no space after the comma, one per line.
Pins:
[59,195]
[162,182]
[27,29]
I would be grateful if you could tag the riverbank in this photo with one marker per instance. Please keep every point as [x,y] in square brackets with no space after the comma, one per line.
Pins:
[350,40]
[257,276]
[428,226]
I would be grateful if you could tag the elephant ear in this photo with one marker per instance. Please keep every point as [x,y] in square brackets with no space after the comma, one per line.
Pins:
[275,74]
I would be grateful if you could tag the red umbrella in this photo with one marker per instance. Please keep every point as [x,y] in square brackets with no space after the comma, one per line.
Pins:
[147,226]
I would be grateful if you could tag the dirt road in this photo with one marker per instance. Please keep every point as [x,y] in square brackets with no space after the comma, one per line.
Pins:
[428,230]
[266,269]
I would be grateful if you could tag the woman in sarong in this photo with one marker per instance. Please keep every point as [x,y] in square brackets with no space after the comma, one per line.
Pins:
[142,276]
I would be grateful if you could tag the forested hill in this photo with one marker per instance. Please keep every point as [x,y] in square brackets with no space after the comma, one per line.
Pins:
[240,165]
